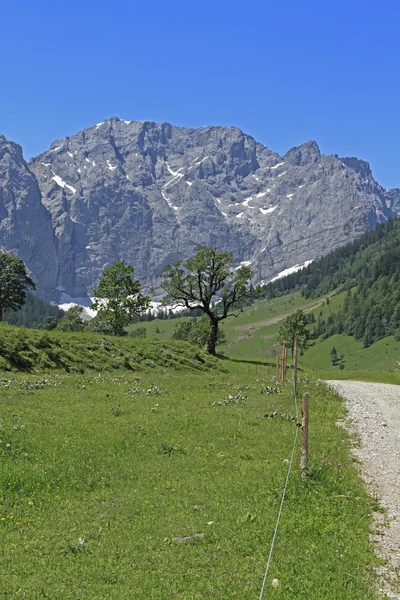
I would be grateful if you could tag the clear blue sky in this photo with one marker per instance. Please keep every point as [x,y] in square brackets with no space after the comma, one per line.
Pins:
[284,72]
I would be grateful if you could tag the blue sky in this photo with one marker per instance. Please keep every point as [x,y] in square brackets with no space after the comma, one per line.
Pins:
[284,72]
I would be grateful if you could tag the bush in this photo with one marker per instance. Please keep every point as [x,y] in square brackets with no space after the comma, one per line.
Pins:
[140,332]
[196,332]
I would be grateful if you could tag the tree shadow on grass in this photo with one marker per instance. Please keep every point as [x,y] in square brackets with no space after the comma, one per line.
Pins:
[263,363]
[245,361]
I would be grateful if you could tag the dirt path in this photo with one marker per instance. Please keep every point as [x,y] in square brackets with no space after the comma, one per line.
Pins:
[374,413]
[252,327]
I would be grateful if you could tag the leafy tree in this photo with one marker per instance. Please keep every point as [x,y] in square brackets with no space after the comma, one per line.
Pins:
[50,323]
[294,330]
[182,330]
[14,282]
[200,331]
[118,300]
[72,320]
[196,332]
[99,324]
[203,280]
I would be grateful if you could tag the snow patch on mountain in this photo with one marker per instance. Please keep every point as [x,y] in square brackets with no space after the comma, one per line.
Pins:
[291,270]
[62,183]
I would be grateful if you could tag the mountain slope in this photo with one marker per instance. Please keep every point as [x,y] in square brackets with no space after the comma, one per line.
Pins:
[369,270]
[149,193]
[25,224]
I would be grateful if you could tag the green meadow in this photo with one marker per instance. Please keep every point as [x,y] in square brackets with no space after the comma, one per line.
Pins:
[252,335]
[144,469]
[167,485]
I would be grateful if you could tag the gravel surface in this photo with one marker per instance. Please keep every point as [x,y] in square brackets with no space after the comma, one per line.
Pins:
[374,414]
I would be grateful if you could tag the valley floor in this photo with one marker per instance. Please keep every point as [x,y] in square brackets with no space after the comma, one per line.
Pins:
[374,413]
[166,484]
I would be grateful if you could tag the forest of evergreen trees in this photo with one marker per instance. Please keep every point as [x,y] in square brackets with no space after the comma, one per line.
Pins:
[34,313]
[368,269]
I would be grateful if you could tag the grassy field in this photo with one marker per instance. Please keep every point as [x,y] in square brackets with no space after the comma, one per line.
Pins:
[379,362]
[253,334]
[166,484]
[143,469]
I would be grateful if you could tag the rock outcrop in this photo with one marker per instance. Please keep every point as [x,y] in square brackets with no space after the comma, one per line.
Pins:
[25,224]
[150,193]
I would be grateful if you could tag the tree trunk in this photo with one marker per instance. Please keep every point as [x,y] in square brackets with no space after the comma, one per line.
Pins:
[212,337]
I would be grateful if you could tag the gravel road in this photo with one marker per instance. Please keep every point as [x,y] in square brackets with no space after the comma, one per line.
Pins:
[374,413]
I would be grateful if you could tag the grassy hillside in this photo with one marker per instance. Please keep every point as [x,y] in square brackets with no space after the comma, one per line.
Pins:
[253,335]
[246,325]
[32,350]
[163,485]
[378,362]
[369,269]
[159,328]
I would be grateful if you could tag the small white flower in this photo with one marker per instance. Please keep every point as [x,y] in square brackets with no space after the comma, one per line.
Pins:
[285,461]
[30,503]
[8,445]
[210,522]
[81,541]
[275,583]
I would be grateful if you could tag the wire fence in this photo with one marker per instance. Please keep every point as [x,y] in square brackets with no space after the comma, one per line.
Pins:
[262,593]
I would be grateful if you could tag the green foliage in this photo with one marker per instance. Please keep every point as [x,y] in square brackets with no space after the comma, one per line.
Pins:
[99,324]
[72,320]
[334,357]
[294,330]
[369,270]
[34,313]
[202,280]
[140,332]
[118,300]
[337,360]
[50,323]
[14,282]
[182,330]
[197,332]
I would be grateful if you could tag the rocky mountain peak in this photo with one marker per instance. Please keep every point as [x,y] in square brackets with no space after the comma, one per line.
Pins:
[308,152]
[359,166]
[149,193]
[25,224]
[11,149]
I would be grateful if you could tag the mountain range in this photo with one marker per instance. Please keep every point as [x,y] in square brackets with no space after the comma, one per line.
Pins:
[150,193]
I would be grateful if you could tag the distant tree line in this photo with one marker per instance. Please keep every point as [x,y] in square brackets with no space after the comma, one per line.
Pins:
[168,313]
[34,313]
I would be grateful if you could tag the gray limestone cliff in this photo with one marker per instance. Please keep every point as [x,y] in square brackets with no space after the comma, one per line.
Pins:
[150,193]
[25,224]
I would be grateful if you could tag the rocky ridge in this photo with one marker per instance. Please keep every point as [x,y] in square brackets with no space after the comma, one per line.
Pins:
[25,224]
[149,193]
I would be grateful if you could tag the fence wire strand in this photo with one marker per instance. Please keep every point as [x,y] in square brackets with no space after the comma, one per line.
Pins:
[283,498]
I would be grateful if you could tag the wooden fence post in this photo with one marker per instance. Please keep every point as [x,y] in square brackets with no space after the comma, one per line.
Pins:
[304,441]
[277,367]
[295,369]
[283,362]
